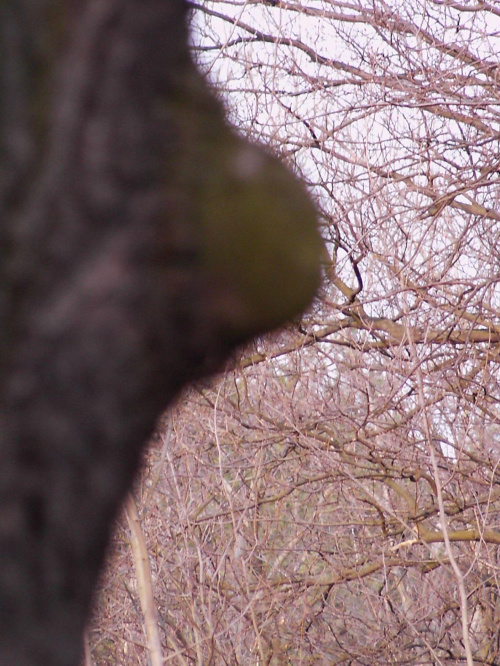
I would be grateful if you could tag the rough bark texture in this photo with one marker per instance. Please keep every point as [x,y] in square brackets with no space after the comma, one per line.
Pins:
[104,310]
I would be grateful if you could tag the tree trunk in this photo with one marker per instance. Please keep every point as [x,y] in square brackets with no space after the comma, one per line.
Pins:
[105,312]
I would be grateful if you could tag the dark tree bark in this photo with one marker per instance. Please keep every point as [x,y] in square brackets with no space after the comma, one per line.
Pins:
[107,307]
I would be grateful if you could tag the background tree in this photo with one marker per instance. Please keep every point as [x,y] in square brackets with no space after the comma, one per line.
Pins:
[333,498]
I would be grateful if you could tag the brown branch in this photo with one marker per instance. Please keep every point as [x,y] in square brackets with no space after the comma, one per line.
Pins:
[144,583]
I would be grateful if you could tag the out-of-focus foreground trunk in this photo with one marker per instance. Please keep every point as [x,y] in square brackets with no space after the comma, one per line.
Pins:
[107,306]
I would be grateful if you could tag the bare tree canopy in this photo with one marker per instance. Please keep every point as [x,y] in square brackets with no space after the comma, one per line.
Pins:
[141,240]
[334,500]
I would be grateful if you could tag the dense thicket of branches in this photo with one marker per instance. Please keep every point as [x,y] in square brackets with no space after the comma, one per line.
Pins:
[334,499]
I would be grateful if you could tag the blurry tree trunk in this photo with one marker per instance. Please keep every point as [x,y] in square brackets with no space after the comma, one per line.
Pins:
[103,308]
